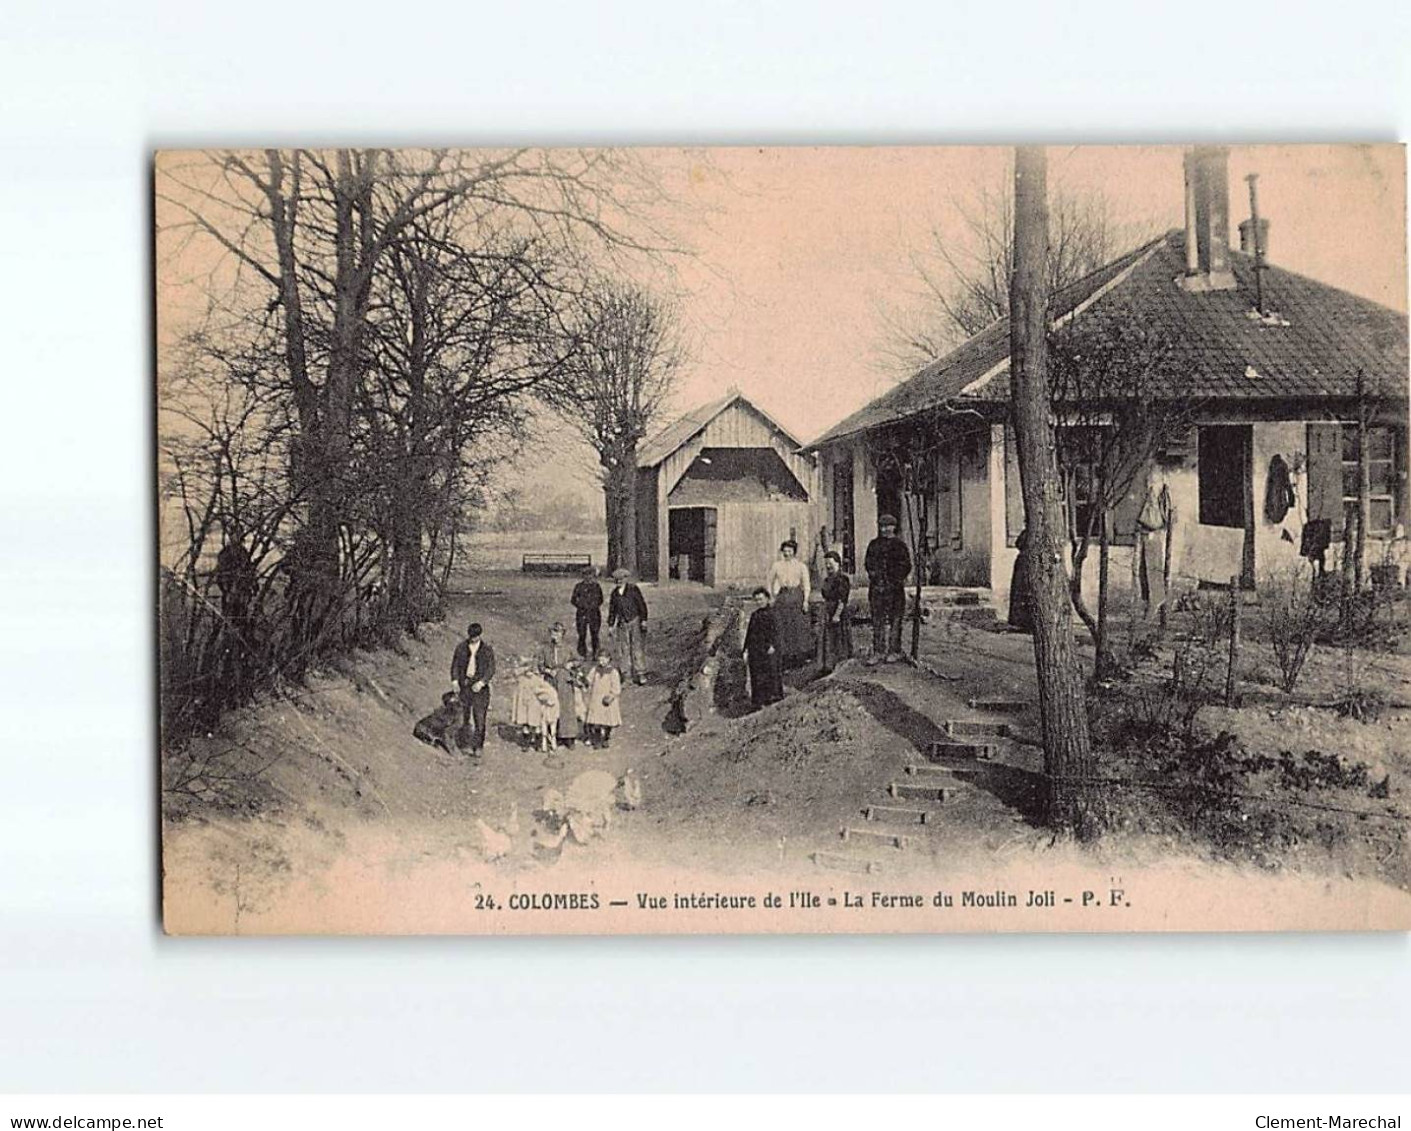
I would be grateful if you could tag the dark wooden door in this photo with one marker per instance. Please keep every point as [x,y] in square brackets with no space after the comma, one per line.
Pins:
[708,525]
[843,513]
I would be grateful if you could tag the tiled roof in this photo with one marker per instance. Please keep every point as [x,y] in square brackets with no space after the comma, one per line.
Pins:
[1314,348]
[656,448]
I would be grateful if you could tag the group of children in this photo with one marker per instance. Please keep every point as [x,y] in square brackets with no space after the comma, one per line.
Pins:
[554,706]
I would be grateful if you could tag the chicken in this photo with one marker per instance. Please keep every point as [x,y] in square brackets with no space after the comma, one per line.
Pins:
[629,790]
[545,840]
[495,844]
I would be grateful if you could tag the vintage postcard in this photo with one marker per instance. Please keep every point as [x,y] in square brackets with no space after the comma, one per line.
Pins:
[689,540]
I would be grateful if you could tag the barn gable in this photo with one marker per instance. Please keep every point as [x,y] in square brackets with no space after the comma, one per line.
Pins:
[717,490]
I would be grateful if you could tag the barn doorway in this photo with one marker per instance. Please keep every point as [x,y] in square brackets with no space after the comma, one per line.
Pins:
[691,544]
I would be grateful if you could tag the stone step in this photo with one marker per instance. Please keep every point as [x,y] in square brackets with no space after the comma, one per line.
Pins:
[999,703]
[915,791]
[874,836]
[971,727]
[930,773]
[960,751]
[837,862]
[900,815]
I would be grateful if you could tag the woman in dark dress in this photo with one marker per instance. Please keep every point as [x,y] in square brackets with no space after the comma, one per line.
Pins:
[1021,602]
[762,651]
[837,624]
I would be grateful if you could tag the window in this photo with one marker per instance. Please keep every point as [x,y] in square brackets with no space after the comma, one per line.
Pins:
[1222,459]
[1082,450]
[1381,465]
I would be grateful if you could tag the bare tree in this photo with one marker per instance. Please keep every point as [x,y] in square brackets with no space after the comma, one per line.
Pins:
[1068,756]
[963,272]
[1113,382]
[626,355]
[308,235]
[455,351]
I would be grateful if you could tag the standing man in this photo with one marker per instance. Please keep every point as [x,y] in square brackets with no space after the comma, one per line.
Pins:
[587,601]
[627,620]
[888,563]
[472,669]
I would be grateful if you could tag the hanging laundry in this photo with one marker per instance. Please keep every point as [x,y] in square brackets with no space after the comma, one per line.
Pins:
[1279,498]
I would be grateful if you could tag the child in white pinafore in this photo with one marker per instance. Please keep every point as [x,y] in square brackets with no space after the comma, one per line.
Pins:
[604,690]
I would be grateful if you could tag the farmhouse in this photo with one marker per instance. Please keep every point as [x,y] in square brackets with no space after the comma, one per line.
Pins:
[1271,363]
[717,491]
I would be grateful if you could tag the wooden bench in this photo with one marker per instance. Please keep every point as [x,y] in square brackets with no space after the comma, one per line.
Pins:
[556,563]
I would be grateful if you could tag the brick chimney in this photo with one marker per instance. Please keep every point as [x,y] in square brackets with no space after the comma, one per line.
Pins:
[1208,219]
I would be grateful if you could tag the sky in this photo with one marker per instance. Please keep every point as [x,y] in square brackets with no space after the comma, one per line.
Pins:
[799,253]
[802,250]
[799,256]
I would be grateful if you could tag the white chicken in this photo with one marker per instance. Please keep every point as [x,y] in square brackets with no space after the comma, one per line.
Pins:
[495,844]
[629,790]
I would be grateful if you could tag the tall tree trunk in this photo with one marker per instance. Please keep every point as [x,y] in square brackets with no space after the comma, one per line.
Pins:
[629,508]
[284,221]
[612,505]
[918,571]
[1068,757]
[412,494]
[1102,662]
[1364,488]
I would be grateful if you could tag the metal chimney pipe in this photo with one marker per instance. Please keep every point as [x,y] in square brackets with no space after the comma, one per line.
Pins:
[1258,239]
[1192,252]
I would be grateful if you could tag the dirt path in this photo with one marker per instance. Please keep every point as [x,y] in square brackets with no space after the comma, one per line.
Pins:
[307,776]
[351,813]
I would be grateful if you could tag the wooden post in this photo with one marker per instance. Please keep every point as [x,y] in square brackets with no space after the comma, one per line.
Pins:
[1364,489]
[1231,677]
[1166,568]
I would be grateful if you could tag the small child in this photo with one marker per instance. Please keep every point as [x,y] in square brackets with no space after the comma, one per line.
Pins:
[526,712]
[604,691]
[548,699]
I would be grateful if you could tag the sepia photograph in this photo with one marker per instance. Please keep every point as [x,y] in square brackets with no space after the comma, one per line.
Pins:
[854,539]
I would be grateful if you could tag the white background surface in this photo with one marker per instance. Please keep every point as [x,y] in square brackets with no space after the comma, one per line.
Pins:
[92,997]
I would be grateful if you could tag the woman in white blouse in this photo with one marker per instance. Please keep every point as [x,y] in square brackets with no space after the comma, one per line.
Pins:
[788,583]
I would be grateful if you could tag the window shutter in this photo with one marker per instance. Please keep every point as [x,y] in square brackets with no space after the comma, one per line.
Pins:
[1325,475]
[1013,488]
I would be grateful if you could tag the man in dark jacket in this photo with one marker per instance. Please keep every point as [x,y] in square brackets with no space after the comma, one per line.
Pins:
[472,669]
[587,601]
[888,563]
[627,621]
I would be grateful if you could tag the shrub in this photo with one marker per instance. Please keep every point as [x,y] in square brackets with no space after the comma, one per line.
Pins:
[1296,613]
[1197,667]
[1365,704]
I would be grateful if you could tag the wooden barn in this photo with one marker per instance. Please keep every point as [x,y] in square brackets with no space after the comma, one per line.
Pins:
[717,491]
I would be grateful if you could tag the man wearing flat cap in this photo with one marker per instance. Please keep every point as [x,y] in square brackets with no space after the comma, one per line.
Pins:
[888,563]
[627,621]
[472,669]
